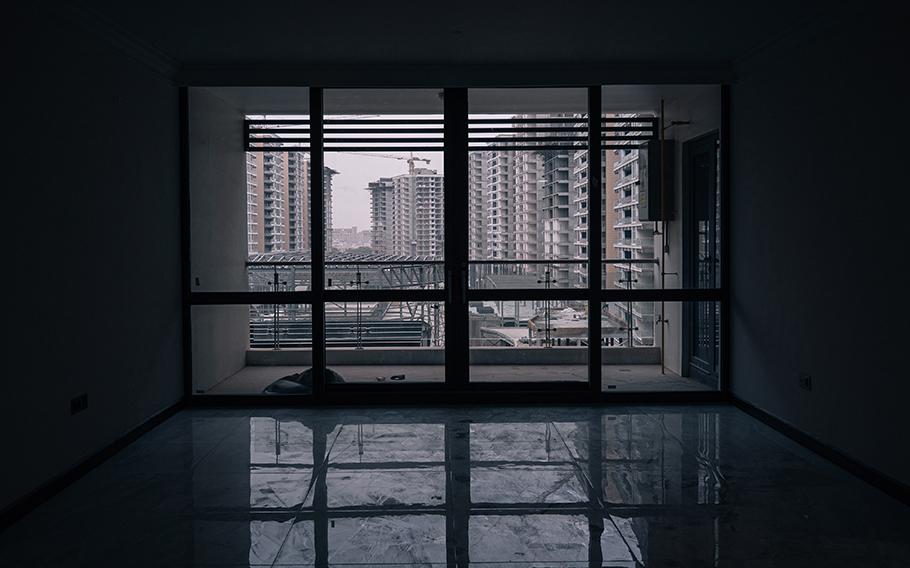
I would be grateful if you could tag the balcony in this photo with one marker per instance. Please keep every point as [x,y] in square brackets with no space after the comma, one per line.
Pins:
[626,202]
[509,341]
[628,243]
[625,181]
[630,157]
[505,346]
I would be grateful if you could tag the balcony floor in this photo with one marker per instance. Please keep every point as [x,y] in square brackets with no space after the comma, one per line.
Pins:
[625,378]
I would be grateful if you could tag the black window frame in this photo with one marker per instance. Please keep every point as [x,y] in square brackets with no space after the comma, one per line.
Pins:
[456,388]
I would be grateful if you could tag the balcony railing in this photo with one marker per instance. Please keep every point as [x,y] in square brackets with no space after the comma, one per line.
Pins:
[626,181]
[379,324]
[630,200]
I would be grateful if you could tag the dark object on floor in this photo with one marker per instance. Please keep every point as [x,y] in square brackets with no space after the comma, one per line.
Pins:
[300,383]
[397,377]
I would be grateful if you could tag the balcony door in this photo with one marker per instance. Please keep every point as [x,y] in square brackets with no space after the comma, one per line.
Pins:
[450,241]
[387,312]
[476,276]
[702,253]
[527,238]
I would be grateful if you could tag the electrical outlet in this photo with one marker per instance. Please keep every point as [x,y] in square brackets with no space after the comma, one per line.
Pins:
[805,381]
[78,403]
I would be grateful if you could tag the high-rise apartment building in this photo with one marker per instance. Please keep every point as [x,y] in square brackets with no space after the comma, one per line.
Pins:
[328,177]
[381,196]
[253,207]
[581,217]
[477,238]
[556,214]
[527,185]
[279,201]
[298,173]
[633,240]
[500,219]
[429,235]
[407,214]
[530,205]
[269,191]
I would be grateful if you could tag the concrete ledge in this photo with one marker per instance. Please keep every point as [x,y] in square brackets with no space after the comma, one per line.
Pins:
[436,356]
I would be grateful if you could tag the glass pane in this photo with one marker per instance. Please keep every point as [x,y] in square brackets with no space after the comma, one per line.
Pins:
[528,341]
[527,195]
[654,346]
[385,342]
[646,181]
[252,349]
[249,210]
[384,187]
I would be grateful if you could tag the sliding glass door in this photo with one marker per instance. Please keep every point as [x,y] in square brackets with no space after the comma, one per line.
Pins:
[385,304]
[450,240]
[527,201]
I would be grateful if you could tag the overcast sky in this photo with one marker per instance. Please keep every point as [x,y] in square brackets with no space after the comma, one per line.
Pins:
[350,199]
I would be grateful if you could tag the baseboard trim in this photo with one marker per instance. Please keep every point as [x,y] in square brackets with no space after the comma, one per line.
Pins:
[29,502]
[870,475]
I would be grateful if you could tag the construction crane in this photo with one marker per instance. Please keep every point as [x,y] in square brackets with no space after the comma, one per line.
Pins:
[410,160]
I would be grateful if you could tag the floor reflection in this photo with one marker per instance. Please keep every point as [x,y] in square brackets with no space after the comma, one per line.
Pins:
[478,491]
[483,488]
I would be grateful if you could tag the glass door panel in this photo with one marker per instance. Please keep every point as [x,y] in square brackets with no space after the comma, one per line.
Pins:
[384,220]
[527,228]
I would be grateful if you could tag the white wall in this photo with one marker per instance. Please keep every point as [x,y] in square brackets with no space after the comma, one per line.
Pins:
[818,238]
[219,236]
[700,107]
[91,195]
[217,195]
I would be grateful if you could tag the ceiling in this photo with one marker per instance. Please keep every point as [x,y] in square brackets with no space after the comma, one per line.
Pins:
[284,32]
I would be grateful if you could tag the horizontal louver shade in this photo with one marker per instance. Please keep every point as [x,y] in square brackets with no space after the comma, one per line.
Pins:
[405,134]
[623,132]
[277,135]
[426,134]
[528,133]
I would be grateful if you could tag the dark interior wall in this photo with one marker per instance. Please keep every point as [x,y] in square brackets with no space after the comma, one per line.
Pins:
[92,208]
[818,191]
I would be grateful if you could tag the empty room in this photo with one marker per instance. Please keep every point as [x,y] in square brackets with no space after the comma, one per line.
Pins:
[485,285]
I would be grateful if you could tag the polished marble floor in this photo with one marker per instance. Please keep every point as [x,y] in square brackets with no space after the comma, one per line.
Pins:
[492,487]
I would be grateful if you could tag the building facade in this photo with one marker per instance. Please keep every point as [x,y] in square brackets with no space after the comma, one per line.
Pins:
[406,214]
[279,202]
